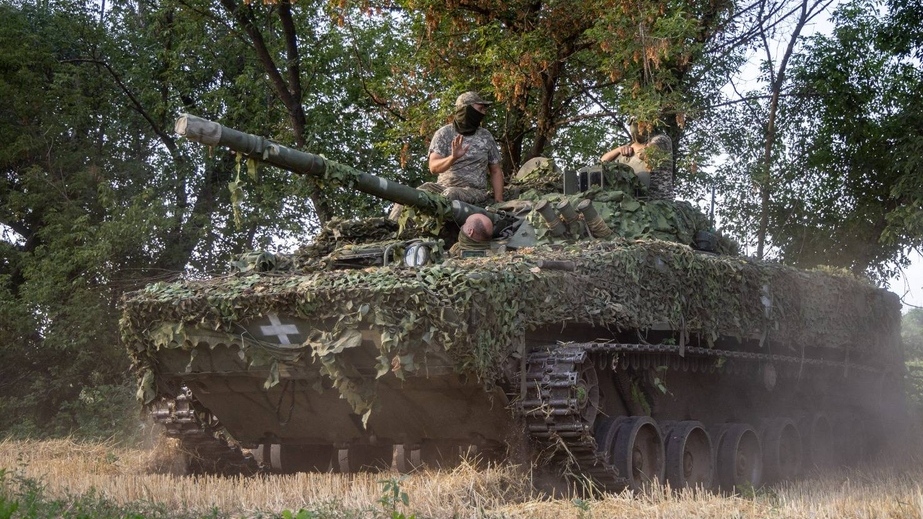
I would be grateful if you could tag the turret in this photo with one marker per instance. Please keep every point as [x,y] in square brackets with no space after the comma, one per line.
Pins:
[213,134]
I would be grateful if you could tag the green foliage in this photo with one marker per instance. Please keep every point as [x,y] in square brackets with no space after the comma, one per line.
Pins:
[853,128]
[25,497]
[914,385]
[101,411]
[912,334]
[300,514]
[392,497]
[912,337]
[8,504]
[97,196]
[582,506]
[844,172]
[60,266]
[749,492]
[563,71]
[903,33]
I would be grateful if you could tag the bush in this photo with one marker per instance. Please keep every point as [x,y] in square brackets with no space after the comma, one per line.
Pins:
[97,413]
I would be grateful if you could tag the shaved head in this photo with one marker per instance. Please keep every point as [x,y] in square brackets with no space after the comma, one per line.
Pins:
[478,227]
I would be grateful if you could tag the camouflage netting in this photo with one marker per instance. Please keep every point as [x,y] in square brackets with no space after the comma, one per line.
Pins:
[622,205]
[475,310]
[626,213]
[339,237]
[543,177]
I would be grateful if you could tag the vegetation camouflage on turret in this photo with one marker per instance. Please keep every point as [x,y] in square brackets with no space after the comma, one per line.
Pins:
[627,215]
[473,311]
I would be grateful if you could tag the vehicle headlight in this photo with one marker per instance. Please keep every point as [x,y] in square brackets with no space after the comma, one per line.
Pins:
[417,255]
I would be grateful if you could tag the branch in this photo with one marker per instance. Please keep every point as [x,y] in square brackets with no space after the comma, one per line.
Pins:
[764,96]
[291,50]
[207,14]
[577,118]
[376,99]
[741,99]
[167,140]
[743,39]
[474,9]
[245,20]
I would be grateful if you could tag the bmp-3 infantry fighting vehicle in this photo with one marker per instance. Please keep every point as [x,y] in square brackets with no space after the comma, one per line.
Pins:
[614,339]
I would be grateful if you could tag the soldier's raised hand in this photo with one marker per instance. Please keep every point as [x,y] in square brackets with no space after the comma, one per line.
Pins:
[459,148]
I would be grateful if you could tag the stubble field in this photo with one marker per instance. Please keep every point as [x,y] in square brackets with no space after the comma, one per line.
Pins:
[142,482]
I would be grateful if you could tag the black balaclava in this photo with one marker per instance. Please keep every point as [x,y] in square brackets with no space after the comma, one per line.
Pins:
[467,120]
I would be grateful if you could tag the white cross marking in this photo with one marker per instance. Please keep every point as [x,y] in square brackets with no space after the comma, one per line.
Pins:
[282,331]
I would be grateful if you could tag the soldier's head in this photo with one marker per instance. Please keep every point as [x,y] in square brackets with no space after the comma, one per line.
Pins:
[473,100]
[639,133]
[469,112]
[478,227]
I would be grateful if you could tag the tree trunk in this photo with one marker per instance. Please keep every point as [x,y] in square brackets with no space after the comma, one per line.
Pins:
[288,86]
[808,10]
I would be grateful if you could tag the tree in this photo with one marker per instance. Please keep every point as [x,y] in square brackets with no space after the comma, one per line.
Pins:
[564,68]
[902,35]
[912,334]
[912,337]
[855,118]
[97,196]
[827,191]
[302,84]
[749,123]
[60,263]
[804,12]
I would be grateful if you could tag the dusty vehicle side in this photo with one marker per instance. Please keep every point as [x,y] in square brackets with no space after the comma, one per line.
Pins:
[613,359]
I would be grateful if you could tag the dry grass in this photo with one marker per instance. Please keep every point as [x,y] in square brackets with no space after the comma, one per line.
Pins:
[125,475]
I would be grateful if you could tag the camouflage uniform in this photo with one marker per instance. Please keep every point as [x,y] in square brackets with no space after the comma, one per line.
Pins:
[470,195]
[656,158]
[466,179]
[465,243]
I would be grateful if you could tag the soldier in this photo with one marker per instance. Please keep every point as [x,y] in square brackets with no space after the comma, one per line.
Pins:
[651,154]
[475,234]
[462,154]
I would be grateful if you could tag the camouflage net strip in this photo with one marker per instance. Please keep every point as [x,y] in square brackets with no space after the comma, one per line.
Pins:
[622,203]
[475,310]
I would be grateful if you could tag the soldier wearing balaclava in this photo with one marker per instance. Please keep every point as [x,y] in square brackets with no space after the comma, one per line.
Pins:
[465,155]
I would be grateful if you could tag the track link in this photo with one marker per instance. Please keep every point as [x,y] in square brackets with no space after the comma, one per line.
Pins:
[560,418]
[201,438]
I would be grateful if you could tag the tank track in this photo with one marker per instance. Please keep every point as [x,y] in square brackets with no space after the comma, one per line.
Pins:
[555,413]
[711,360]
[556,416]
[201,438]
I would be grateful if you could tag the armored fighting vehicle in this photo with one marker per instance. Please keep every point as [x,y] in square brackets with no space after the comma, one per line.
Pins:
[612,339]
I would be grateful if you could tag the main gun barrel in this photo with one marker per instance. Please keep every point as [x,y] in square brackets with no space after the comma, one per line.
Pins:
[211,133]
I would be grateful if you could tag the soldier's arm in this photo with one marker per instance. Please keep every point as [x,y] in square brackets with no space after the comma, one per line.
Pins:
[440,164]
[610,155]
[496,181]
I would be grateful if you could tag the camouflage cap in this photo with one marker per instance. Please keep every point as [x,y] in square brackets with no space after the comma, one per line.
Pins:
[470,98]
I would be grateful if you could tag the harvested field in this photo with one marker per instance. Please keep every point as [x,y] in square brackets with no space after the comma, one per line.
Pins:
[130,475]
